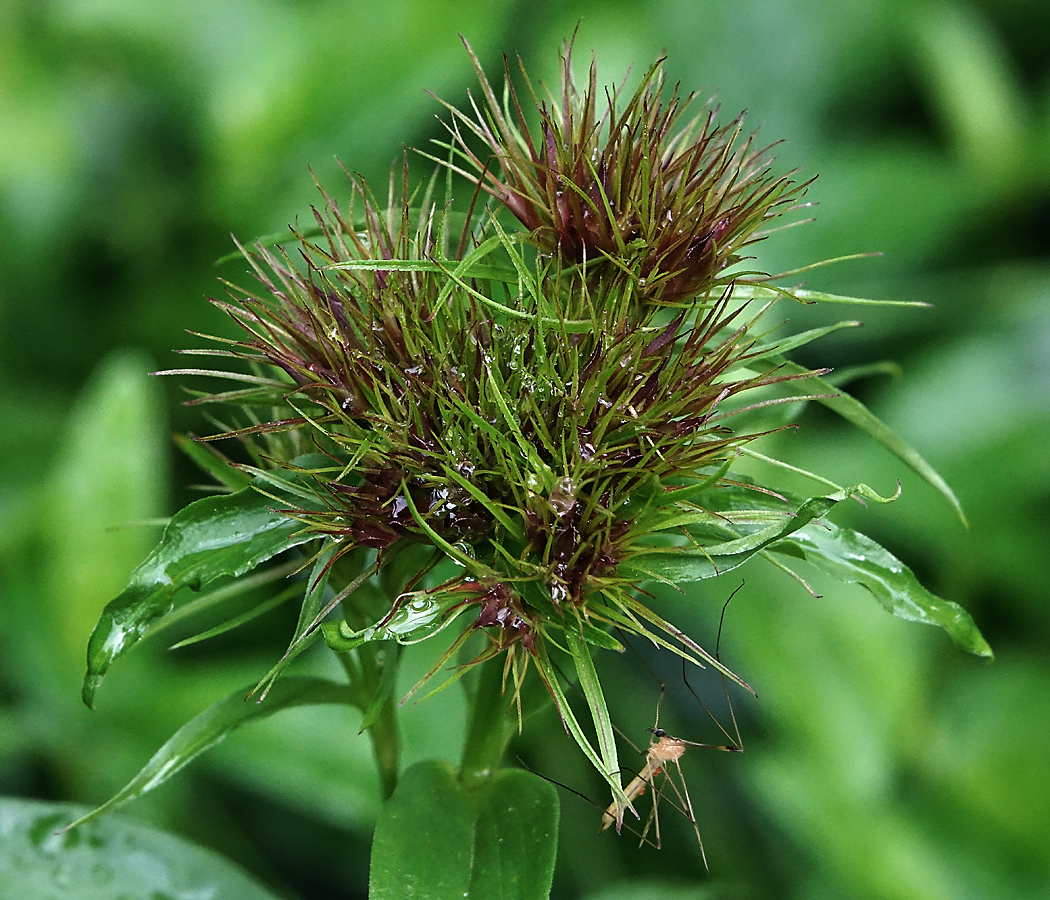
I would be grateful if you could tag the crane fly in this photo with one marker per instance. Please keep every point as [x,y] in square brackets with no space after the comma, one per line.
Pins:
[662,757]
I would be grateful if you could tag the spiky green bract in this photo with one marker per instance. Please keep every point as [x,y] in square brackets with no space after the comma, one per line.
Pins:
[459,391]
[510,431]
[486,401]
[642,191]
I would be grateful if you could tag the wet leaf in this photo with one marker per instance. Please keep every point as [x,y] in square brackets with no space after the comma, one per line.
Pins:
[415,617]
[856,558]
[213,537]
[682,564]
[106,860]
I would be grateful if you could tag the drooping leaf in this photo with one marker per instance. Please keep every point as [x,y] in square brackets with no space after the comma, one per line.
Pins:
[414,617]
[856,558]
[211,726]
[436,841]
[225,535]
[591,686]
[549,675]
[106,860]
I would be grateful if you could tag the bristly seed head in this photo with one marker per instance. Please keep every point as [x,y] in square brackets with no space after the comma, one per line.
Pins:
[521,406]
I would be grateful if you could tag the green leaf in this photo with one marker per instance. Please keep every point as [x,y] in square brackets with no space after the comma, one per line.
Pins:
[211,726]
[106,860]
[212,462]
[254,612]
[591,686]
[516,839]
[436,841]
[856,413]
[681,564]
[794,341]
[216,536]
[762,292]
[549,676]
[856,558]
[415,616]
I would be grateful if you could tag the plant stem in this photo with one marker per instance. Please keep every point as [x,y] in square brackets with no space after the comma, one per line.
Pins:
[490,728]
[365,666]
[386,739]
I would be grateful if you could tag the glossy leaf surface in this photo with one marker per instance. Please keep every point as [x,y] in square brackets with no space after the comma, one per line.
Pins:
[206,730]
[695,563]
[853,557]
[436,841]
[106,860]
[416,617]
[225,535]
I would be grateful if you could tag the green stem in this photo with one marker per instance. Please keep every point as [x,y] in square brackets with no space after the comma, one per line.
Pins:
[372,670]
[386,738]
[365,667]
[490,728]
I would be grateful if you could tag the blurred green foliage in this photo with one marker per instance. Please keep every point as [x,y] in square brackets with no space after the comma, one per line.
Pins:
[881,762]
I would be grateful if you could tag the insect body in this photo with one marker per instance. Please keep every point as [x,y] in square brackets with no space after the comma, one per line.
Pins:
[662,757]
[664,752]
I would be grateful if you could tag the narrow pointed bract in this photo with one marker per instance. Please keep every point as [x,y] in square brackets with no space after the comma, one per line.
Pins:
[648,190]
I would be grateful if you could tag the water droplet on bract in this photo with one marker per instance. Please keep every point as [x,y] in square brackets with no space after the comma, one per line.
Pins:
[563,497]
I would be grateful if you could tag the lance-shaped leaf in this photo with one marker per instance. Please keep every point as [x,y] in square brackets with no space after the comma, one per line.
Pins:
[211,726]
[219,536]
[678,564]
[856,558]
[592,690]
[856,413]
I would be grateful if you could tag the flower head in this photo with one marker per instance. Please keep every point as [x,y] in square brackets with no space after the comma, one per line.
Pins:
[665,201]
[515,430]
[532,423]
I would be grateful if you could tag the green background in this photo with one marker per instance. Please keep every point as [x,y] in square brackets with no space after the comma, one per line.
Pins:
[880,762]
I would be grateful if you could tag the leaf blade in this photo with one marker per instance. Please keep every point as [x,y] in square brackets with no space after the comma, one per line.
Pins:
[854,557]
[228,534]
[857,414]
[209,727]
